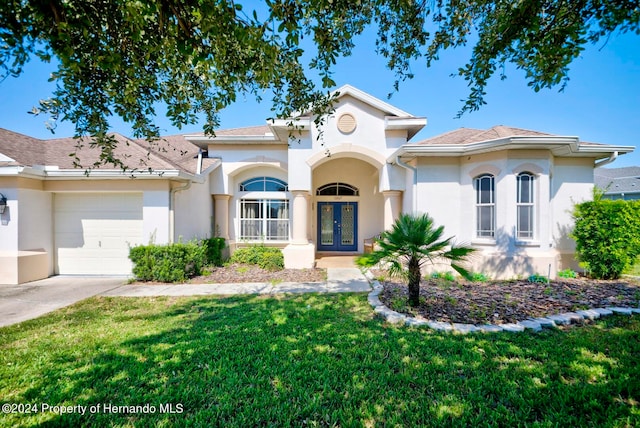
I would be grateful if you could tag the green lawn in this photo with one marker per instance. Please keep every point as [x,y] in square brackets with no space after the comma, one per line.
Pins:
[309,360]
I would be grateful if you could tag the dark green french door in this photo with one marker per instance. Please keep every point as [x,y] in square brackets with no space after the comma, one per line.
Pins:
[337,226]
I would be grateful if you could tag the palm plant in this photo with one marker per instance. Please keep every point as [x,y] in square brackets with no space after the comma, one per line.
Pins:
[412,242]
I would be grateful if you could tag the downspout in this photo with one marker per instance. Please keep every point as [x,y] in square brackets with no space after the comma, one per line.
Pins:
[199,165]
[172,212]
[611,158]
[415,180]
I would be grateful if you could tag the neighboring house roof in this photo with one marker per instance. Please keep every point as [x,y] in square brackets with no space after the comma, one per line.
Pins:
[618,180]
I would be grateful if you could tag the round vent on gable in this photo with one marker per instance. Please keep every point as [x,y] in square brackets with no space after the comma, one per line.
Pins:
[346,123]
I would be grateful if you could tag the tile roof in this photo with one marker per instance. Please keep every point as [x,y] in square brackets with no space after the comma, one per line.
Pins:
[471,135]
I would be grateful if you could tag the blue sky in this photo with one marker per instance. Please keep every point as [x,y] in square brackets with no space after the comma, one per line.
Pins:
[601,102]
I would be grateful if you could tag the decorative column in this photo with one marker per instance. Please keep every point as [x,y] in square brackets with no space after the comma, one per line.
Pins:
[300,253]
[300,217]
[221,215]
[392,207]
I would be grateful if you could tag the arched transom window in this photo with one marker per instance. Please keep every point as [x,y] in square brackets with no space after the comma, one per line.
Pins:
[263,184]
[337,189]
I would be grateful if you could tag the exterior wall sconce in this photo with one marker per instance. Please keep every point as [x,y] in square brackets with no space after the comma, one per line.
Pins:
[3,203]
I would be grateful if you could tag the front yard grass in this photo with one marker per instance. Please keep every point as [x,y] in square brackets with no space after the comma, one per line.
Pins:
[309,360]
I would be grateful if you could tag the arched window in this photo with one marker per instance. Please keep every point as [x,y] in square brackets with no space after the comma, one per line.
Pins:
[525,204]
[265,218]
[337,189]
[263,184]
[485,206]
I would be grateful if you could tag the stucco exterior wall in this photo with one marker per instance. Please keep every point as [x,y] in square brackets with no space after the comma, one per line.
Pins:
[571,183]
[439,193]
[193,215]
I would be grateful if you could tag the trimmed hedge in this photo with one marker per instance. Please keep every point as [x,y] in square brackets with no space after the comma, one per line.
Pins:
[607,235]
[168,263]
[268,258]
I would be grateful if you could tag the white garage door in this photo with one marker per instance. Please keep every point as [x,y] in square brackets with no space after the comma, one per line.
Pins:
[93,232]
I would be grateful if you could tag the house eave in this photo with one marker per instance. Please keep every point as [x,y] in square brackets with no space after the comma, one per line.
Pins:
[203,141]
[559,146]
[412,125]
[54,173]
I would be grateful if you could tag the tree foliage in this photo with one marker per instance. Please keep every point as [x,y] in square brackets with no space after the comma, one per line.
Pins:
[607,235]
[126,57]
[412,242]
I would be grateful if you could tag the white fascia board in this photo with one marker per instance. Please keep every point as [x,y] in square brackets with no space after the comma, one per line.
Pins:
[77,174]
[371,100]
[285,128]
[570,144]
[22,171]
[204,141]
[605,149]
[303,123]
[412,125]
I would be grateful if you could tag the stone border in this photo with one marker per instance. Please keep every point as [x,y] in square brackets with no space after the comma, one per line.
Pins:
[534,324]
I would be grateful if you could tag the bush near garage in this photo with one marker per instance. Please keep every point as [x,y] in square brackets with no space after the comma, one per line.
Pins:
[267,258]
[607,235]
[168,263]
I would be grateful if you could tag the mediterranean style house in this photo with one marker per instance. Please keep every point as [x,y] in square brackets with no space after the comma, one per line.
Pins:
[307,189]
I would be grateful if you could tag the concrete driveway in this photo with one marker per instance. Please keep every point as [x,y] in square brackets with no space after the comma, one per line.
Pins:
[23,302]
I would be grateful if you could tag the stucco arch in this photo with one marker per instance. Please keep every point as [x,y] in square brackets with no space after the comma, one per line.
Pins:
[263,162]
[347,150]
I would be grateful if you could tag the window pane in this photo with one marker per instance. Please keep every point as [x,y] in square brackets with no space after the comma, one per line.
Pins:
[274,185]
[525,188]
[525,221]
[262,219]
[485,221]
[253,185]
[263,184]
[337,189]
[484,189]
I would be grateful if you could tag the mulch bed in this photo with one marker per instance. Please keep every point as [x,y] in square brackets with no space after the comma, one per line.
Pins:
[499,302]
[251,273]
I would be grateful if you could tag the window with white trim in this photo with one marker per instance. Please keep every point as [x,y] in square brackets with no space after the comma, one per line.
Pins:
[485,206]
[264,219]
[525,204]
[264,212]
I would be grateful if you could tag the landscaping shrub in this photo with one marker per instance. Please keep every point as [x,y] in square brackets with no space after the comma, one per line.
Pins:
[268,258]
[607,235]
[567,273]
[167,263]
[213,250]
[538,279]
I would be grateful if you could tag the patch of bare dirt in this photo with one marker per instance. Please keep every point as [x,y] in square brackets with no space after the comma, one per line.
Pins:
[499,302]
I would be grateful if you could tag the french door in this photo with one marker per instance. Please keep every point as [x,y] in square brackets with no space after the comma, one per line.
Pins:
[337,226]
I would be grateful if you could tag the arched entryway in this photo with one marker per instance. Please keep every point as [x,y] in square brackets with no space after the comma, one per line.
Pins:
[348,206]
